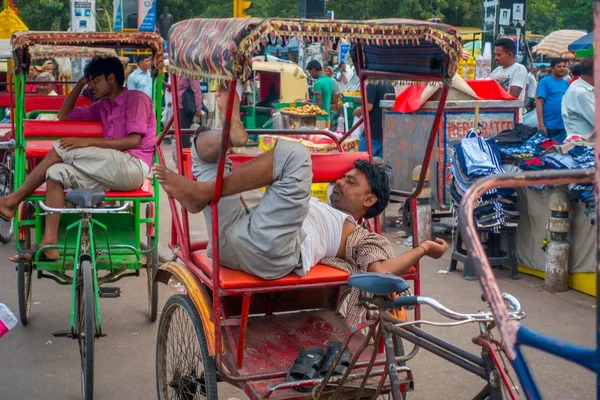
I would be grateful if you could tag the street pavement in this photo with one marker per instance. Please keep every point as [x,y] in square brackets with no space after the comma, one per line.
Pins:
[35,365]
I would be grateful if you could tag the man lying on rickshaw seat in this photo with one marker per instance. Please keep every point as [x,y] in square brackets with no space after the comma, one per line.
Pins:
[290,231]
[119,161]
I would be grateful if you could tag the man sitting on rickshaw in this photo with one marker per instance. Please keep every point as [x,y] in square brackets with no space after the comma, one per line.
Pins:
[289,230]
[120,160]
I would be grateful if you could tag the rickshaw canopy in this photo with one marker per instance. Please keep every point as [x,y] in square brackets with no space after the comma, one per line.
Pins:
[57,44]
[38,51]
[223,48]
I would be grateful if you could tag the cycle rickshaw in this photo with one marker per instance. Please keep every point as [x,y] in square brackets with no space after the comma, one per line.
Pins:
[98,243]
[238,328]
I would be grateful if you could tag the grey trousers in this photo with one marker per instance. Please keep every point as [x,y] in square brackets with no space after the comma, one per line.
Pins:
[265,240]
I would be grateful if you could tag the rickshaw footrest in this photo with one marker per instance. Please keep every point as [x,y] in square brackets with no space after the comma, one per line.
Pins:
[62,333]
[109,292]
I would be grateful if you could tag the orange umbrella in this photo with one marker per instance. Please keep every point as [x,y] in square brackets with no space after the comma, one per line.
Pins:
[557,43]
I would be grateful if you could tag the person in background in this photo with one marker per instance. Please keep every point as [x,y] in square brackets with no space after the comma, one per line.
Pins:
[45,86]
[530,89]
[578,104]
[375,93]
[32,74]
[576,73]
[323,90]
[125,62]
[511,75]
[343,77]
[550,93]
[190,101]
[141,79]
[337,95]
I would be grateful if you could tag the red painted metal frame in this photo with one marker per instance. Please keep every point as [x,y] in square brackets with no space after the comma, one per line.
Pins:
[180,238]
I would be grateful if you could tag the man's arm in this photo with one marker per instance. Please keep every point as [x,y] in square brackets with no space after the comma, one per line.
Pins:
[371,94]
[539,108]
[399,265]
[518,82]
[586,107]
[132,82]
[69,103]
[129,142]
[195,85]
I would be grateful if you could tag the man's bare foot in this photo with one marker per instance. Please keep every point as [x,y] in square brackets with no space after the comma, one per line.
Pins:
[194,196]
[238,136]
[7,211]
[51,254]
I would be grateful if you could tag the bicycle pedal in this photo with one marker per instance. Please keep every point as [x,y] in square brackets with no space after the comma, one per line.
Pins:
[62,333]
[109,292]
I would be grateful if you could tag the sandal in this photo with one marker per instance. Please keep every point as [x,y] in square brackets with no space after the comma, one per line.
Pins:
[306,366]
[29,255]
[333,348]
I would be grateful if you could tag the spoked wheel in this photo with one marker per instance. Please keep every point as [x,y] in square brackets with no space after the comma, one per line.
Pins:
[6,187]
[24,272]
[86,323]
[151,268]
[184,368]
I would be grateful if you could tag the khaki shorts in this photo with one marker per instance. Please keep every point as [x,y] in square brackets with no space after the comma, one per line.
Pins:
[94,167]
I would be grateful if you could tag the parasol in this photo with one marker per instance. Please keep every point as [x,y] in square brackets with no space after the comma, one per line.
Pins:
[583,47]
[557,44]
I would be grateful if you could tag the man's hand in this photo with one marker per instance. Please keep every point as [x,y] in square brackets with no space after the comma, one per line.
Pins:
[435,249]
[221,95]
[72,143]
[357,112]
[83,81]
[543,130]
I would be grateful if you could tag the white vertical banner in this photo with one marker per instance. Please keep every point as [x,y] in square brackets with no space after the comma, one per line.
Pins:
[82,15]
[117,15]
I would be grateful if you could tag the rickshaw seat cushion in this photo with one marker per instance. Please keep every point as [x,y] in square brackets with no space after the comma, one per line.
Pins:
[328,167]
[233,279]
[38,148]
[378,284]
[37,129]
[86,197]
[42,102]
[147,190]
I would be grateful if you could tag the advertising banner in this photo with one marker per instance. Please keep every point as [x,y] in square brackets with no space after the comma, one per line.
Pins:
[118,15]
[146,15]
[82,16]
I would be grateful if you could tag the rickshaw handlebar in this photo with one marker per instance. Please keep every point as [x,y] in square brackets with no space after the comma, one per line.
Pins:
[515,310]
[8,144]
[113,210]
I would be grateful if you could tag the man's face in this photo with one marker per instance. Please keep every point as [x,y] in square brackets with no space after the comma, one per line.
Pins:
[560,70]
[313,73]
[49,68]
[146,64]
[352,194]
[503,57]
[101,86]
[343,67]
[533,69]
[45,87]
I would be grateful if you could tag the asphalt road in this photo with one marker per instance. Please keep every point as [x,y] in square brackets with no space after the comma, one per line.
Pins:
[35,365]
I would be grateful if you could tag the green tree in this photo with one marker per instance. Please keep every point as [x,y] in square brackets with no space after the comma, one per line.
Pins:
[45,15]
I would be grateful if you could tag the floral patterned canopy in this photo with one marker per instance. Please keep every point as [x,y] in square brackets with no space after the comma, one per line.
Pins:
[76,44]
[223,48]
[41,51]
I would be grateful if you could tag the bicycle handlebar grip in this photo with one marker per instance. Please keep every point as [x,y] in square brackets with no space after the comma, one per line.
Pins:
[406,301]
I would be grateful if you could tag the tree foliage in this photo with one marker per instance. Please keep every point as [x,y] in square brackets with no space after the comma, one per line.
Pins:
[543,16]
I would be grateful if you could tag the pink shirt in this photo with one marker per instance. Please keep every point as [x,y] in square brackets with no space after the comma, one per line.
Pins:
[131,112]
[182,84]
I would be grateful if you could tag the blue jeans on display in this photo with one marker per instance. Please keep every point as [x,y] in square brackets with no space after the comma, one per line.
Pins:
[377,146]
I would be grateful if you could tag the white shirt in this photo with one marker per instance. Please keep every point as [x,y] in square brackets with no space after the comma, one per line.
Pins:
[515,75]
[341,77]
[577,108]
[531,85]
[323,228]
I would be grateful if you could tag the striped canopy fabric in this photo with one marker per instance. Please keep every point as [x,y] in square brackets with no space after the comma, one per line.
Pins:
[556,44]
[21,41]
[222,49]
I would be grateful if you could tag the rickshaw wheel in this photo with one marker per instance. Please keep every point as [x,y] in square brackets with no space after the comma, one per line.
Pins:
[6,187]
[151,269]
[86,322]
[24,271]
[184,367]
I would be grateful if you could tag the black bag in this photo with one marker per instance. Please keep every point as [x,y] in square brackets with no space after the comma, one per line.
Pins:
[188,102]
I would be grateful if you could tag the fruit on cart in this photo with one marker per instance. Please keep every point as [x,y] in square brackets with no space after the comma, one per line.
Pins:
[306,110]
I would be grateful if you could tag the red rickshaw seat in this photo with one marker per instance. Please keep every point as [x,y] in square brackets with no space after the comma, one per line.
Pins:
[146,190]
[38,148]
[232,279]
[38,129]
[42,102]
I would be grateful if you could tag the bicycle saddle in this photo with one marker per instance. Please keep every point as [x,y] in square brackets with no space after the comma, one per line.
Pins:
[86,198]
[378,284]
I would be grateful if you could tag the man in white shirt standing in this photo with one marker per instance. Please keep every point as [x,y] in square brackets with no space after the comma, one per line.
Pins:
[140,79]
[531,88]
[343,77]
[511,75]
[578,104]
